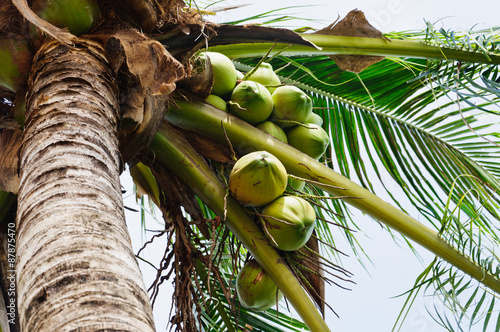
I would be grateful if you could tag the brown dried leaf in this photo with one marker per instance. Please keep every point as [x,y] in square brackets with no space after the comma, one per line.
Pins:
[199,84]
[315,285]
[353,25]
[147,60]
[147,75]
[61,35]
[144,13]
[355,63]
[209,148]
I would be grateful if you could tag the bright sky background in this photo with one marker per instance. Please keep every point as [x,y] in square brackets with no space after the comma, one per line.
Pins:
[369,306]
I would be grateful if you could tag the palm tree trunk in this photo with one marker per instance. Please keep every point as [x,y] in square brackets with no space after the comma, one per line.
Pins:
[76,269]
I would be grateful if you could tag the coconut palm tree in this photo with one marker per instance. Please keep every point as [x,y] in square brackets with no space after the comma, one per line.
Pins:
[89,87]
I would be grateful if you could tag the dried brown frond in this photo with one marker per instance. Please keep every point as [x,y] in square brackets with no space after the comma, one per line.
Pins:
[190,271]
[356,25]
[11,21]
[313,271]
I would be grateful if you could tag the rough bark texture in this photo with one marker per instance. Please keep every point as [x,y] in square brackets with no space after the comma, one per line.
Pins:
[76,268]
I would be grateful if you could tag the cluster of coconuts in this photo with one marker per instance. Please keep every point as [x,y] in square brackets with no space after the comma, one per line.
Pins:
[259,179]
[283,111]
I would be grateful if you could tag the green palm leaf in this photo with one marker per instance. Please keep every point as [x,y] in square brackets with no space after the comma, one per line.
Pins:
[425,128]
[388,108]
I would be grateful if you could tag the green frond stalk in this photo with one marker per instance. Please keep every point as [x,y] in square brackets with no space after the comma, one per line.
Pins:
[174,152]
[207,120]
[329,45]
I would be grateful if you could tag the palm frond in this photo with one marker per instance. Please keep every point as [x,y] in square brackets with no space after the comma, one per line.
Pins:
[403,114]
[463,303]
[275,17]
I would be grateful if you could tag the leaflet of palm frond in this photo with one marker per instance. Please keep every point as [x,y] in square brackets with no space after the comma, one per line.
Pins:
[354,25]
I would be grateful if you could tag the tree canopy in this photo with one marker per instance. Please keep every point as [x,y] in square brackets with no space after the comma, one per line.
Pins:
[411,117]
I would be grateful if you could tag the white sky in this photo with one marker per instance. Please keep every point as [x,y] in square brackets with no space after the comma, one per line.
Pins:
[386,15]
[368,307]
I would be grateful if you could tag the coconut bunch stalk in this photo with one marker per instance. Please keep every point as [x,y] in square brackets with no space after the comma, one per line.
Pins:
[209,121]
[171,150]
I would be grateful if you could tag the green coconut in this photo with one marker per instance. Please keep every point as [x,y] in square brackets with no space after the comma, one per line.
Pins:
[291,224]
[273,129]
[257,178]
[265,75]
[291,104]
[217,101]
[255,289]
[77,16]
[224,74]
[315,118]
[312,140]
[251,101]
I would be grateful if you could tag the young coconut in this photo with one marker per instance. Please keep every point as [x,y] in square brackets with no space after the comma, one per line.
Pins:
[217,101]
[291,104]
[257,179]
[273,129]
[255,289]
[290,223]
[224,74]
[251,101]
[312,140]
[265,75]
[315,118]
